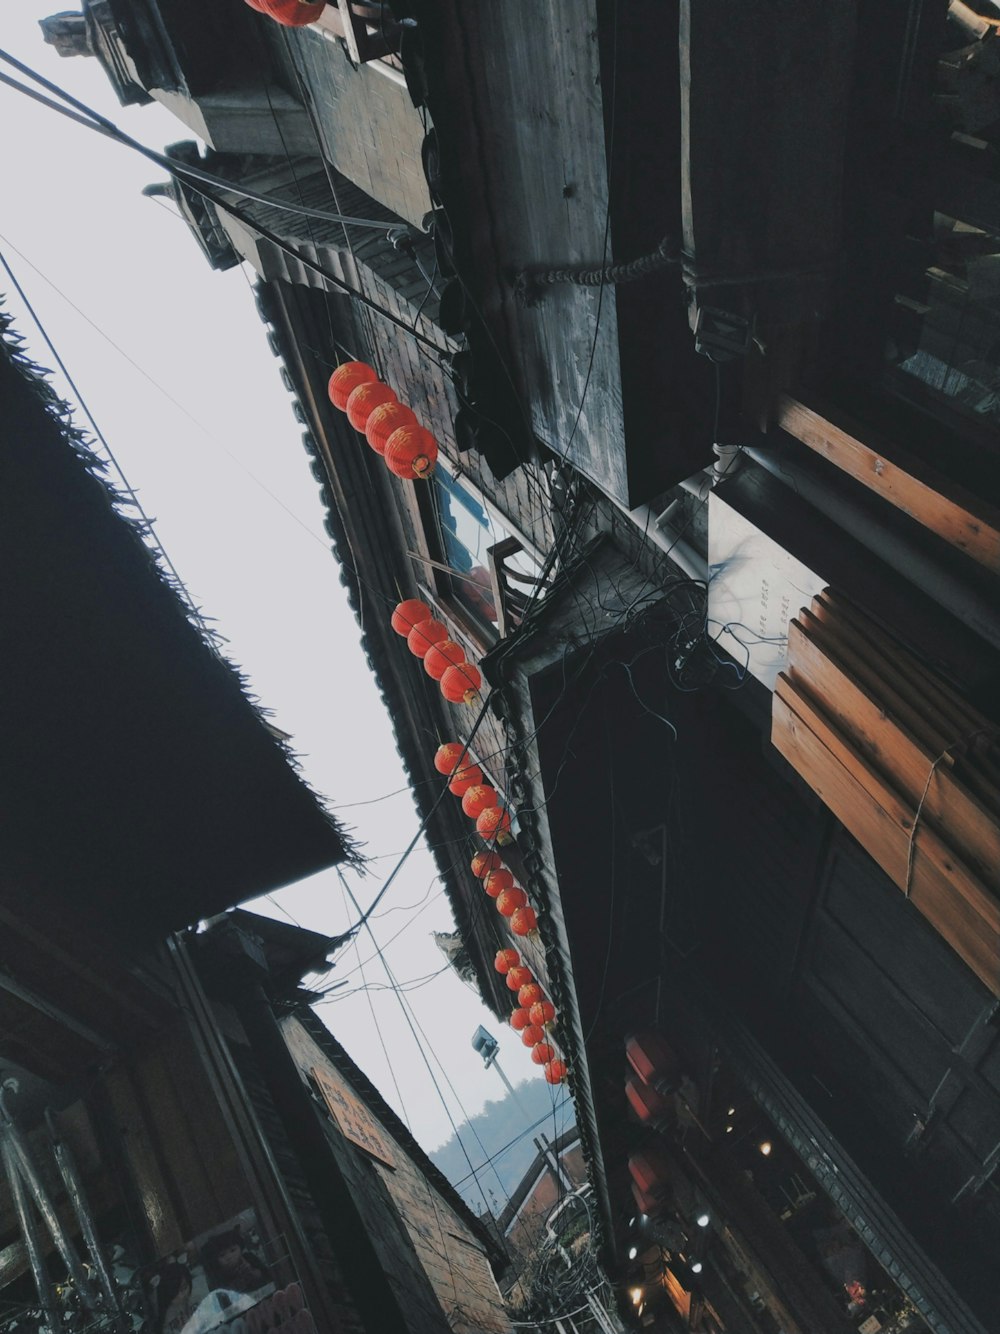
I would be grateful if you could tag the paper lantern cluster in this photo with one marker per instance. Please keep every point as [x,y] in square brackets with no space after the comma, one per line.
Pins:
[444,661]
[532,1015]
[390,427]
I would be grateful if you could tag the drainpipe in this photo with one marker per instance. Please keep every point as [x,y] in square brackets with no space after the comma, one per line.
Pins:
[903,554]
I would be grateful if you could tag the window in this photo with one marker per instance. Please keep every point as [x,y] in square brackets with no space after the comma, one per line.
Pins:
[478,566]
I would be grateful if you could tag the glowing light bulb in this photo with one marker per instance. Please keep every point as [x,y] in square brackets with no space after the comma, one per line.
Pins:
[703,1220]
[636,1295]
[697,1267]
[731,1111]
[765,1147]
[633,1252]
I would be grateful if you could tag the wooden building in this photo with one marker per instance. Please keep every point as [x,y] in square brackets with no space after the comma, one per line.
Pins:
[701,312]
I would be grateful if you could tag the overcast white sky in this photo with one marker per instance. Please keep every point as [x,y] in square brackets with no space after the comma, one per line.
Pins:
[253,553]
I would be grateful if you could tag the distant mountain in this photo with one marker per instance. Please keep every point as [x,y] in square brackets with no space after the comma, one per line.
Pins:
[499,1143]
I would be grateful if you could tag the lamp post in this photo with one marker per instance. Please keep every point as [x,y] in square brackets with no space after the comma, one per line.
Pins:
[486,1044]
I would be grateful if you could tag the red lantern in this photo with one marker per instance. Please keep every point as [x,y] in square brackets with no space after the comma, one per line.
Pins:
[494,823]
[510,900]
[411,452]
[347,378]
[446,653]
[542,1053]
[542,1012]
[506,960]
[532,1035]
[290,14]
[478,798]
[497,881]
[385,419]
[555,1071]
[363,401]
[529,995]
[423,635]
[448,757]
[468,776]
[519,1019]
[523,921]
[460,684]
[485,862]
[518,976]
[408,614]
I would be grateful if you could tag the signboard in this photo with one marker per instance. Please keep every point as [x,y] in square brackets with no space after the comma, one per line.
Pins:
[354,1118]
[755,588]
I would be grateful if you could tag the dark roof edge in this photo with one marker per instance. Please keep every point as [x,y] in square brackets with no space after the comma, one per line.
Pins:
[537,1165]
[414,760]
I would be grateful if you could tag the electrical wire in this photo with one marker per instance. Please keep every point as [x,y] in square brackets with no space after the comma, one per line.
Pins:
[211,194]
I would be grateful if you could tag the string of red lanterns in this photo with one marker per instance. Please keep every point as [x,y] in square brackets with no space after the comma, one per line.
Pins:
[533,1014]
[444,660]
[390,427]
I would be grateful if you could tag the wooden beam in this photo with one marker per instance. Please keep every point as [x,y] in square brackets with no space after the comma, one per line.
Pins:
[943,507]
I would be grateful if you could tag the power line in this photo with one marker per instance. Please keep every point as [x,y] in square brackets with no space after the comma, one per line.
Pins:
[104,127]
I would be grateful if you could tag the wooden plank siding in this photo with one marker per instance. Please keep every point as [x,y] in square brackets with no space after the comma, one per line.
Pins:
[943,507]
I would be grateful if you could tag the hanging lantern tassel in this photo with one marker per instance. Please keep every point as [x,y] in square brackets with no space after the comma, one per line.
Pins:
[555,1071]
[506,960]
[460,684]
[346,378]
[364,399]
[494,824]
[524,921]
[411,452]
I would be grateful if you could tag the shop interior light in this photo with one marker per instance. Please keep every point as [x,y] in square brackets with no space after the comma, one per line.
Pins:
[703,1220]
[633,1252]
[697,1267]
[636,1296]
[765,1147]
